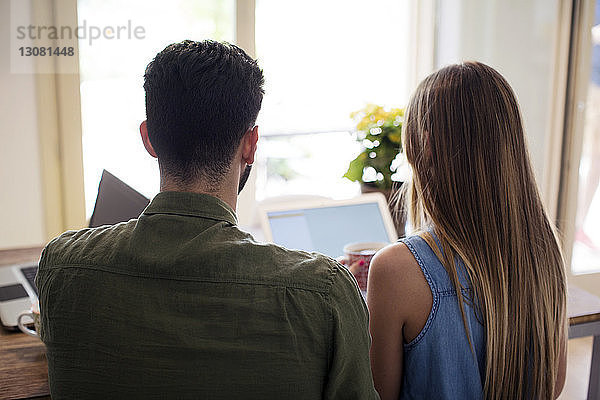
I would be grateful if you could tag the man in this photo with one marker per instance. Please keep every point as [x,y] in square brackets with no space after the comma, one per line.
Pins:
[180,302]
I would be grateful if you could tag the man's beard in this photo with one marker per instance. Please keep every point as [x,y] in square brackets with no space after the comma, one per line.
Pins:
[244,177]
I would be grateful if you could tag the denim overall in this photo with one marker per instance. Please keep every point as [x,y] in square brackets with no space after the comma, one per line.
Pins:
[439,363]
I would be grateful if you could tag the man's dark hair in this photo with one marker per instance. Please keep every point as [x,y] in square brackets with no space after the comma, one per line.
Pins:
[201,97]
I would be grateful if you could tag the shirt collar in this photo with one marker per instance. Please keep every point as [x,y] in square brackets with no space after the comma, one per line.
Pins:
[191,204]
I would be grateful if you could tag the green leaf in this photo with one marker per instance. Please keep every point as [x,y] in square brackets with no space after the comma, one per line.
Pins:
[355,169]
[388,139]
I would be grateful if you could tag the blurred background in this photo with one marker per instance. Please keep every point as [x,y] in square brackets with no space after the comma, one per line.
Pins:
[65,119]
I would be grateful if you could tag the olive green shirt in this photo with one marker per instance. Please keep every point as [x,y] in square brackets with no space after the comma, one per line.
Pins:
[180,303]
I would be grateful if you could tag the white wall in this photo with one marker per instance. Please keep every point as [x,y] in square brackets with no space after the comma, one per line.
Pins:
[518,39]
[21,215]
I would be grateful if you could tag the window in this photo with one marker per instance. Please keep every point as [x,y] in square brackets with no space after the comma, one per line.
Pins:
[112,94]
[586,247]
[323,60]
[307,164]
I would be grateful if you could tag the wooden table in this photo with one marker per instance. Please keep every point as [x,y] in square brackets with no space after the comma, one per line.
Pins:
[23,365]
[24,369]
[584,320]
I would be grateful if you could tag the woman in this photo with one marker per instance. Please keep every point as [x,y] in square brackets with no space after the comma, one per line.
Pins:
[483,233]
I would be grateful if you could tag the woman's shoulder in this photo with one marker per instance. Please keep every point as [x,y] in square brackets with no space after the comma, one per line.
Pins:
[397,281]
[427,251]
[396,266]
[394,258]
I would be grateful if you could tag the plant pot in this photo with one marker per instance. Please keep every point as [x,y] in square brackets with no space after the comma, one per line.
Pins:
[399,216]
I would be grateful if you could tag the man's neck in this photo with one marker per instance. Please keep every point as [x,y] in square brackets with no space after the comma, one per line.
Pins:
[226,192]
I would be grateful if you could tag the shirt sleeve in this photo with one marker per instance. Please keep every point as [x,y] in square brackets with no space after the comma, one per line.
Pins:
[349,369]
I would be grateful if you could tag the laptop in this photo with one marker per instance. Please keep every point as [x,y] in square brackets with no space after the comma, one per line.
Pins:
[327,225]
[116,202]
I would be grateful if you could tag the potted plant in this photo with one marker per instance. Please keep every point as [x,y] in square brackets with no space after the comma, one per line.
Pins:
[380,133]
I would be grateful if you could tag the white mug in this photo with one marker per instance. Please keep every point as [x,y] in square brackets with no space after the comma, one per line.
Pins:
[32,314]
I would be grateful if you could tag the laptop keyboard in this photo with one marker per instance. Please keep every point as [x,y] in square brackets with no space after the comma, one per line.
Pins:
[30,273]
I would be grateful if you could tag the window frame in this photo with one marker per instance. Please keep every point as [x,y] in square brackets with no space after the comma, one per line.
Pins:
[59,130]
[579,58]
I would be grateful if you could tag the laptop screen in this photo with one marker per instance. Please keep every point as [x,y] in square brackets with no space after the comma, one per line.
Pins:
[116,202]
[328,229]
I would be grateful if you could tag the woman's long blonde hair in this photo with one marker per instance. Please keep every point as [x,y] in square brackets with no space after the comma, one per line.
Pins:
[473,183]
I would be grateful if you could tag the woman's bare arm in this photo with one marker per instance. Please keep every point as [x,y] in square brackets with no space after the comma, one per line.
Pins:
[399,301]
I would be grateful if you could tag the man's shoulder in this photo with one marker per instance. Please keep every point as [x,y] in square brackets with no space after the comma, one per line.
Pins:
[294,268]
[85,245]
[230,256]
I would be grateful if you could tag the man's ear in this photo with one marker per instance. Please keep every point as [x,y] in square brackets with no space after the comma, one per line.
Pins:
[249,143]
[146,139]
